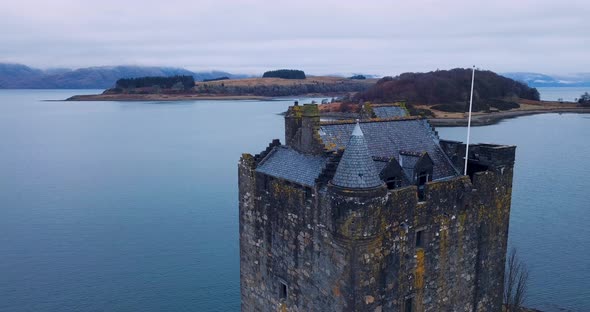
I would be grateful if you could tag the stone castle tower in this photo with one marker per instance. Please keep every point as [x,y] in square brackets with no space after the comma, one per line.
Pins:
[372,216]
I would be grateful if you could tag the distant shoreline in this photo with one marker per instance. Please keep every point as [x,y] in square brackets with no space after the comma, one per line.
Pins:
[494,118]
[125,97]
[162,97]
[477,119]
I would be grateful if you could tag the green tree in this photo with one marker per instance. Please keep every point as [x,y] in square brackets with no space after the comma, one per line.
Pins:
[584,99]
[285,74]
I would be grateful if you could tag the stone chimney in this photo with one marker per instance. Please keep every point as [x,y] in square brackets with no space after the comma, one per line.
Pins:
[302,125]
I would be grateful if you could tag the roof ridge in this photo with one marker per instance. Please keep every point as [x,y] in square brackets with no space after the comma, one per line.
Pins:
[411,153]
[372,120]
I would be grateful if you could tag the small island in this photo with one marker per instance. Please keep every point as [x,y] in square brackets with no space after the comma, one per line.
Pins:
[276,83]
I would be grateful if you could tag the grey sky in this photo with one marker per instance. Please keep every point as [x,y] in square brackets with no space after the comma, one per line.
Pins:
[320,37]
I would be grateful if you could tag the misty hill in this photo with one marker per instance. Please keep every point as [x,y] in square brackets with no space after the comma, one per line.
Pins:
[17,76]
[448,90]
[543,80]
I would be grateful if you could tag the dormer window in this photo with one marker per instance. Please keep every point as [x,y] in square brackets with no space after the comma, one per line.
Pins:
[423,177]
[391,173]
[393,183]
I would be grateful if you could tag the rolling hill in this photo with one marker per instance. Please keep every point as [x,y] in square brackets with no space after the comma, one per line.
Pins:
[448,90]
[18,76]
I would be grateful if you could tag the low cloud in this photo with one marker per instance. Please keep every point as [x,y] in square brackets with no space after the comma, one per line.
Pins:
[375,37]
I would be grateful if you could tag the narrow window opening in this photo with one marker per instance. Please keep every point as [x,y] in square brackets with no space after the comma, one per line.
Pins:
[408,305]
[266,183]
[282,290]
[421,192]
[422,179]
[393,183]
[420,239]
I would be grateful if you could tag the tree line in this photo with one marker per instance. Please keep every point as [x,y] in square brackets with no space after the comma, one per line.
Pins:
[173,82]
[216,79]
[285,74]
[584,99]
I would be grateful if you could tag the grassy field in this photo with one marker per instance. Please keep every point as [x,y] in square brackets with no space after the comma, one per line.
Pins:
[251,82]
[525,106]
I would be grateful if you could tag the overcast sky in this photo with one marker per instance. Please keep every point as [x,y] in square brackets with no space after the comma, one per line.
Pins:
[320,37]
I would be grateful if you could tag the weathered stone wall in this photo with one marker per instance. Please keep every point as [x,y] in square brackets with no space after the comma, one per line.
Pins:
[357,223]
[284,239]
[343,250]
[494,196]
[389,268]
[249,219]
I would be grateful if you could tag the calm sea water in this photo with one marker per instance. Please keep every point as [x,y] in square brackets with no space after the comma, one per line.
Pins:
[114,206]
[550,203]
[570,94]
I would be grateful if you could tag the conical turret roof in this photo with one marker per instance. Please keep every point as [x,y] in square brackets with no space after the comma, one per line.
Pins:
[356,168]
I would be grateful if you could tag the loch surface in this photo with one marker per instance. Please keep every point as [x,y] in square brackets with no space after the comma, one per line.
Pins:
[132,206]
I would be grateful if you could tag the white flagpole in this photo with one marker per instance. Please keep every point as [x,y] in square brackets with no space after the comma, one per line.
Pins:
[469,120]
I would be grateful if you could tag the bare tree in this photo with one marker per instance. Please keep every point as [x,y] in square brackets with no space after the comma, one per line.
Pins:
[516,283]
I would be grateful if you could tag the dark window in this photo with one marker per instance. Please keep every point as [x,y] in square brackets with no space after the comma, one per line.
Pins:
[266,180]
[421,189]
[282,290]
[408,305]
[393,183]
[474,167]
[420,238]
[422,179]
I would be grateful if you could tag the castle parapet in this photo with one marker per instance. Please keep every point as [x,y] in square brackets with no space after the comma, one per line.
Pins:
[482,157]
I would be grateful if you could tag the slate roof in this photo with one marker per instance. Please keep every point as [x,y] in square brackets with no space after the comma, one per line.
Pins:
[356,168]
[286,163]
[388,138]
[380,165]
[389,111]
[408,161]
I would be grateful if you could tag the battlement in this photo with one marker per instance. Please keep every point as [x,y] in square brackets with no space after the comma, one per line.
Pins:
[482,157]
